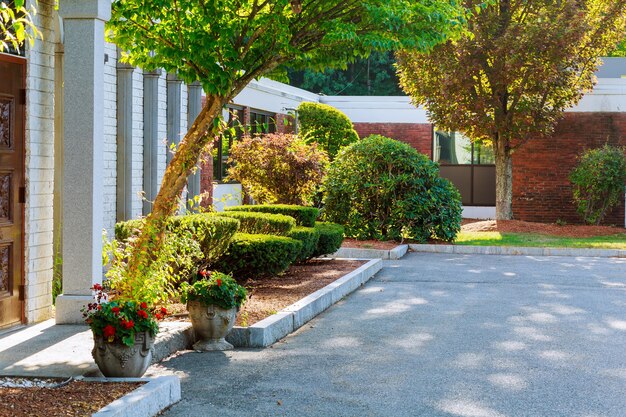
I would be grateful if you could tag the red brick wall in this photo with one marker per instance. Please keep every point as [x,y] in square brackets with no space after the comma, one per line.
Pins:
[541,188]
[418,135]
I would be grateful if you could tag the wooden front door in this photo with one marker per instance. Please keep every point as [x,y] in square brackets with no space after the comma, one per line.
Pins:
[12,106]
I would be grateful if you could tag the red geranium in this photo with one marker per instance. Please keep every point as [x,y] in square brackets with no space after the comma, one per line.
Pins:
[142,314]
[219,282]
[163,311]
[143,305]
[127,324]
[108,332]
[115,310]
[158,316]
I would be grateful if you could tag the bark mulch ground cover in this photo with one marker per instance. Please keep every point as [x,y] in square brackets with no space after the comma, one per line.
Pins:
[369,244]
[267,296]
[518,226]
[77,398]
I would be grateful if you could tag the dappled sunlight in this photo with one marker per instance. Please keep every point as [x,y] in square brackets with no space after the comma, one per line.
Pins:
[532,333]
[467,408]
[563,309]
[371,289]
[401,305]
[509,274]
[511,345]
[556,355]
[439,293]
[341,341]
[412,341]
[510,382]
[470,360]
[615,373]
[597,329]
[555,294]
[616,324]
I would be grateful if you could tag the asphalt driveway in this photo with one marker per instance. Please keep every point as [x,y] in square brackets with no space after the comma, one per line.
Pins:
[437,335]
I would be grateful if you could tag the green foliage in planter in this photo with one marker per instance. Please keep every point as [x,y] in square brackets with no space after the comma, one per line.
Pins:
[598,181]
[326,126]
[213,233]
[380,188]
[218,289]
[305,216]
[253,256]
[331,237]
[309,236]
[261,223]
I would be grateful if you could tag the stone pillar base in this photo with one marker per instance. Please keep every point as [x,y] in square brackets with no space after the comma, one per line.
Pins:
[68,308]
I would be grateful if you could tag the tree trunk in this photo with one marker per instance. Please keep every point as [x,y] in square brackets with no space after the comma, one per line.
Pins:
[504,181]
[203,130]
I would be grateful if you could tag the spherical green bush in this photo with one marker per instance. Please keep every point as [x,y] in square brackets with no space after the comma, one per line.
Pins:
[328,127]
[379,188]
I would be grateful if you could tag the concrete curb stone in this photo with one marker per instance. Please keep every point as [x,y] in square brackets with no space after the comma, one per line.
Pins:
[277,326]
[519,250]
[146,401]
[361,253]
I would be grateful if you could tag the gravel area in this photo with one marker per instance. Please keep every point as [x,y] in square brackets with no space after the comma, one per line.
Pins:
[369,244]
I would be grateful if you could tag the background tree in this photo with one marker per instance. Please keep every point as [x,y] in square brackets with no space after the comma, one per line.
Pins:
[224,44]
[522,64]
[16,25]
[330,128]
[371,76]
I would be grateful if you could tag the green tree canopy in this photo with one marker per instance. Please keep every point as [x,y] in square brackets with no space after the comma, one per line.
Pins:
[510,79]
[16,25]
[224,44]
[330,128]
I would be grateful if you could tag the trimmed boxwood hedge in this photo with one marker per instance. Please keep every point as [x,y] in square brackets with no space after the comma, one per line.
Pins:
[331,237]
[254,255]
[212,232]
[305,216]
[261,223]
[309,236]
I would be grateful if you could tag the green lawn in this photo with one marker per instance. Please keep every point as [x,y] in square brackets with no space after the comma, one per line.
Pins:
[528,239]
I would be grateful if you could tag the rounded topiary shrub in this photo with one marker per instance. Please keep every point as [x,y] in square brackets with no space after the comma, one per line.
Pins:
[305,216]
[309,236]
[261,223]
[328,127]
[254,256]
[379,188]
[330,238]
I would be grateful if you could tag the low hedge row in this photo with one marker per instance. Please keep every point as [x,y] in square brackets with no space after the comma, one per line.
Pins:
[331,237]
[256,255]
[305,216]
[309,236]
[261,223]
[212,232]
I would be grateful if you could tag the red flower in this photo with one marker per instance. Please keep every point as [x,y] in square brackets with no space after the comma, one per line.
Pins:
[143,305]
[142,314]
[158,316]
[99,307]
[109,332]
[163,311]
[97,287]
[127,324]
[115,310]
[219,282]
[203,273]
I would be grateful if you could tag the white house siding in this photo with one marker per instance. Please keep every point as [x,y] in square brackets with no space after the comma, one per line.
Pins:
[39,138]
[162,124]
[110,139]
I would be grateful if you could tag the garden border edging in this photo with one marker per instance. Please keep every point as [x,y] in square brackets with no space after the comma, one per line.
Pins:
[146,401]
[363,253]
[291,318]
[518,250]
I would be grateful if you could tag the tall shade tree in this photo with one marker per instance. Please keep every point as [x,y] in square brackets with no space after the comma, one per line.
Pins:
[509,80]
[224,44]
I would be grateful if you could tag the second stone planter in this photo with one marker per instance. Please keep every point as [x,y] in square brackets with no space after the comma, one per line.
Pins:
[211,324]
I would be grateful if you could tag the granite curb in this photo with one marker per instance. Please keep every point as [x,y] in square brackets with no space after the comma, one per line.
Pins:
[279,325]
[519,250]
[362,253]
[146,401]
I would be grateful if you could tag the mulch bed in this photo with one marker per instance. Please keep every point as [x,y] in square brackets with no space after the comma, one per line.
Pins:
[518,226]
[267,296]
[78,398]
[369,244]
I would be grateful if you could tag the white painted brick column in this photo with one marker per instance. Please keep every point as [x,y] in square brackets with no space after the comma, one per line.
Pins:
[193,109]
[83,150]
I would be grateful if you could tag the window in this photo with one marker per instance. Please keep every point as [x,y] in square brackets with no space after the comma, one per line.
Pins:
[262,122]
[221,150]
[470,167]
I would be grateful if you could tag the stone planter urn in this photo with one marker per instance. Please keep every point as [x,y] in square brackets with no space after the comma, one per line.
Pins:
[120,361]
[211,324]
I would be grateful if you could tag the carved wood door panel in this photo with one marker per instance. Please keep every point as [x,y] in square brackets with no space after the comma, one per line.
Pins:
[12,106]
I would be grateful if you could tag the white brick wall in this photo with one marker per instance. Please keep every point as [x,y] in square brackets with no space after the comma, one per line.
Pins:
[40,168]
[110,139]
[162,124]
